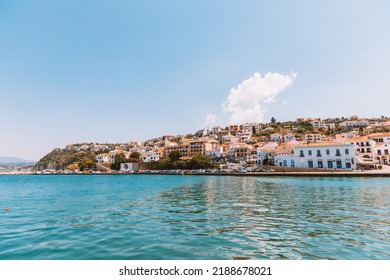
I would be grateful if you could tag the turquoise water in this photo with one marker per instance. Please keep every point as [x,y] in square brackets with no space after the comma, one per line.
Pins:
[193,217]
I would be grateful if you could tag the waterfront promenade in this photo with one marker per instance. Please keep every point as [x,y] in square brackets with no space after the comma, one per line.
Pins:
[384,172]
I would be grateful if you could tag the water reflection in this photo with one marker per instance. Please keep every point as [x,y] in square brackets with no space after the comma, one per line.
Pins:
[282,219]
[194,217]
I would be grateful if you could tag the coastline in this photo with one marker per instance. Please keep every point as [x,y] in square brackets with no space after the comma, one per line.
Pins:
[253,174]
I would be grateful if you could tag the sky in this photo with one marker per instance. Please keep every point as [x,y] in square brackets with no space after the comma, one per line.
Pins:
[116,71]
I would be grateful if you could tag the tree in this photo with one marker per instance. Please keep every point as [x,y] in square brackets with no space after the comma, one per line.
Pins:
[200,161]
[135,155]
[119,158]
[174,156]
[87,164]
[273,120]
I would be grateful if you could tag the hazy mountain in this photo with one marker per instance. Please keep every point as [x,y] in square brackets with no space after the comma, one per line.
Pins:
[13,159]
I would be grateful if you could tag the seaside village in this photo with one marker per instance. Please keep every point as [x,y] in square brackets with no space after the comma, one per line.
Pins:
[306,144]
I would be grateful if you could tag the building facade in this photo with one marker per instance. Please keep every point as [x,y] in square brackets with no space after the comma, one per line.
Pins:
[340,156]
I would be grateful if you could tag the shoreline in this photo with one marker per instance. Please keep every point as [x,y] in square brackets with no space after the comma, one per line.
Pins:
[254,174]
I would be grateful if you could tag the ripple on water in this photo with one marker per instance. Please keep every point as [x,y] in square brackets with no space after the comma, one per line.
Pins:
[194,217]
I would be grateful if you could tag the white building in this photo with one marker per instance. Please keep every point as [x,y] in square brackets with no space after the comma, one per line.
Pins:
[364,149]
[215,153]
[313,137]
[381,154]
[317,123]
[246,128]
[266,153]
[104,158]
[276,137]
[244,137]
[289,137]
[320,155]
[380,138]
[229,139]
[357,124]
[129,167]
[149,157]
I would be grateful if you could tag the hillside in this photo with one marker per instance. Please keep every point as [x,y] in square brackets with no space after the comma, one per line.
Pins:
[83,155]
[62,158]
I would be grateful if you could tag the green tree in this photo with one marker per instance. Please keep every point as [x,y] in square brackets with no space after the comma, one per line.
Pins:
[174,156]
[200,161]
[87,164]
[273,120]
[119,158]
[135,155]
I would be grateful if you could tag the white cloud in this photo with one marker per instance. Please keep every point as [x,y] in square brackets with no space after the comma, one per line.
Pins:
[248,102]
[210,120]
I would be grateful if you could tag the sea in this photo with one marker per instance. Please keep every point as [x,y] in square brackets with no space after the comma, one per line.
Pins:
[172,217]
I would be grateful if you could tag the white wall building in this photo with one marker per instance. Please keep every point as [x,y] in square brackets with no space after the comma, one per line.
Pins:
[380,138]
[129,167]
[104,158]
[149,157]
[288,137]
[364,149]
[318,123]
[276,137]
[360,123]
[382,154]
[313,137]
[320,155]
[216,153]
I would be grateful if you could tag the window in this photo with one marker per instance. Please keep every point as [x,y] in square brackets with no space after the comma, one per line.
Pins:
[379,152]
[339,164]
[310,164]
[318,153]
[386,152]
[309,152]
[347,151]
[301,153]
[320,164]
[348,165]
[338,152]
[285,162]
[328,152]
[330,164]
[292,163]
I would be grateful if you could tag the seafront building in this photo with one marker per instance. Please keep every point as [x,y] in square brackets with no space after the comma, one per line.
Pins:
[253,144]
[320,155]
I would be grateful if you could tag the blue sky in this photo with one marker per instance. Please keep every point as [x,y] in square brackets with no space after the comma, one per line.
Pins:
[115,71]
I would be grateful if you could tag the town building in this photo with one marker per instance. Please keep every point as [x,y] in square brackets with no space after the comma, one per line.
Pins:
[325,155]
[314,137]
[149,157]
[381,154]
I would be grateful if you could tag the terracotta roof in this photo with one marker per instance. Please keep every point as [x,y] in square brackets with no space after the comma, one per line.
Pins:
[318,144]
[360,138]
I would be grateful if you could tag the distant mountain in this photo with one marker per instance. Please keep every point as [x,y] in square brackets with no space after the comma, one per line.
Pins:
[14,159]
